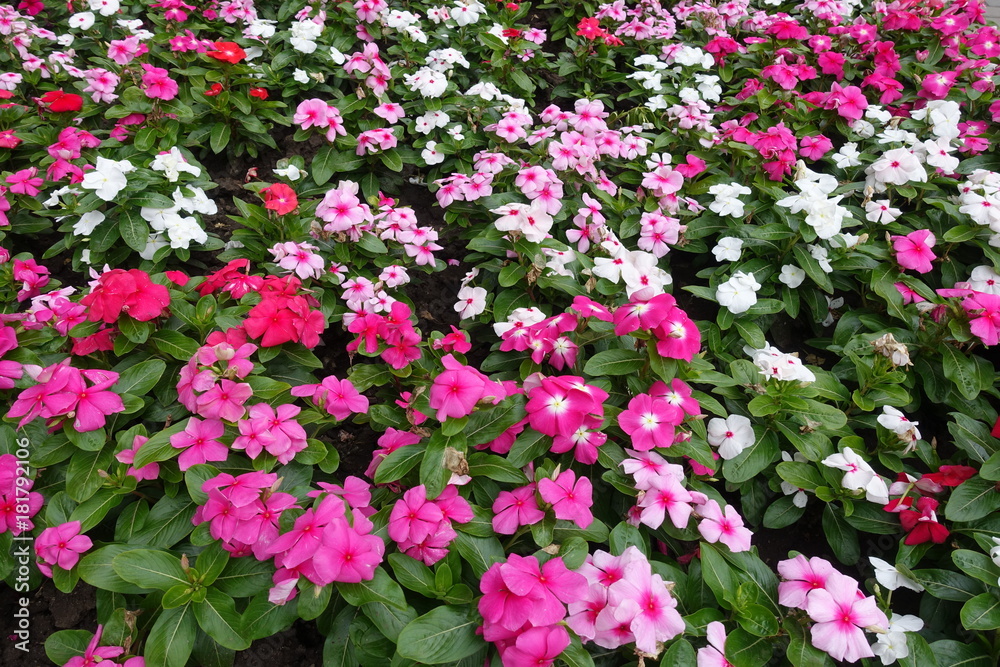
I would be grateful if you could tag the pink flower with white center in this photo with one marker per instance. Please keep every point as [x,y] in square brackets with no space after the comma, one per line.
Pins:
[60,545]
[726,526]
[645,467]
[731,436]
[663,181]
[664,496]
[570,497]
[841,615]
[801,577]
[423,254]
[394,276]
[650,422]
[557,407]
[642,601]
[342,210]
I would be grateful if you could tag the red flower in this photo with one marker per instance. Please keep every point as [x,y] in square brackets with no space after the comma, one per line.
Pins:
[214,90]
[590,28]
[923,526]
[8,139]
[259,93]
[229,52]
[280,198]
[511,33]
[178,278]
[57,101]
[131,292]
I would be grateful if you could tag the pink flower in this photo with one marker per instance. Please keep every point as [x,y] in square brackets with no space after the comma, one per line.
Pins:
[714,655]
[801,577]
[665,495]
[650,422]
[459,388]
[813,148]
[61,545]
[93,651]
[389,442]
[347,556]
[225,401]
[338,397]
[571,498]
[127,456]
[726,527]
[199,442]
[157,84]
[513,509]
[841,613]
[92,404]
[413,517]
[25,182]
[913,251]
[537,647]
[984,316]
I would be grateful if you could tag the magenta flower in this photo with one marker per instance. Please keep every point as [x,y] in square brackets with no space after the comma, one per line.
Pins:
[984,316]
[61,545]
[456,391]
[726,527]
[571,498]
[157,84]
[95,655]
[537,647]
[199,442]
[413,517]
[650,422]
[665,495]
[913,251]
[650,608]
[548,586]
[841,613]
[347,556]
[338,397]
[127,456]
[513,509]
[224,401]
[90,404]
[25,182]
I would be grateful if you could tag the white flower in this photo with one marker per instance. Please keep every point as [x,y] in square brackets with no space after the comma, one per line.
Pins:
[107,178]
[262,28]
[81,21]
[890,646]
[792,275]
[104,7]
[531,220]
[897,166]
[773,363]
[641,272]
[291,172]
[863,129]
[431,155]
[172,163]
[427,82]
[880,211]
[985,279]
[939,154]
[727,200]
[891,578]
[799,497]
[738,293]
[300,75]
[153,243]
[819,253]
[87,223]
[847,156]
[728,249]
[466,12]
[85,256]
[895,421]
[858,475]
[995,551]
[520,318]
[731,436]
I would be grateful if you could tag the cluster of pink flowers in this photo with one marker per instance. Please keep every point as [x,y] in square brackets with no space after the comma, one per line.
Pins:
[570,411]
[394,329]
[569,497]
[625,603]
[273,430]
[103,655]
[546,340]
[299,258]
[243,511]
[676,335]
[982,309]
[69,146]
[61,546]
[32,276]
[840,612]
[368,61]
[116,291]
[331,542]
[422,528]
[315,112]
[18,503]
[127,456]
[651,419]
[207,384]
[523,605]
[9,370]
[64,392]
[284,315]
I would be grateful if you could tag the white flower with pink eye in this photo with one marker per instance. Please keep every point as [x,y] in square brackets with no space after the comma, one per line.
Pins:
[471,302]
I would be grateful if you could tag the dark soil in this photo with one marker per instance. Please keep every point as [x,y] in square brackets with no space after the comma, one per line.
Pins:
[50,611]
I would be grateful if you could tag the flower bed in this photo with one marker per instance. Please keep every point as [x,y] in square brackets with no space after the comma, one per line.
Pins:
[717,381]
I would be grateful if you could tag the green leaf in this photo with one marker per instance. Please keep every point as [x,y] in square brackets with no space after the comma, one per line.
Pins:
[842,537]
[389,620]
[139,379]
[753,459]
[90,512]
[973,499]
[446,634]
[433,473]
[413,574]
[679,653]
[97,570]
[960,369]
[948,585]
[391,159]
[83,477]
[211,562]
[66,644]
[149,568]
[488,424]
[920,652]
[262,618]
[615,362]
[757,620]
[399,462]
[496,468]
[717,574]
[800,475]
[217,616]
[952,653]
[575,655]
[746,650]
[529,445]
[801,652]
[244,577]
[372,244]
[174,344]
[382,588]
[158,447]
[479,552]
[133,228]
[168,522]
[171,639]
[782,513]
[219,138]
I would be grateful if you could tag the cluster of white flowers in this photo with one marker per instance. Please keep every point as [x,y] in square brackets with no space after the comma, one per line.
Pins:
[519,318]
[466,12]
[304,35]
[727,199]
[179,230]
[444,60]
[650,79]
[859,476]
[773,363]
[739,293]
[979,198]
[532,221]
[943,117]
[823,212]
[406,22]
[692,56]
[428,82]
